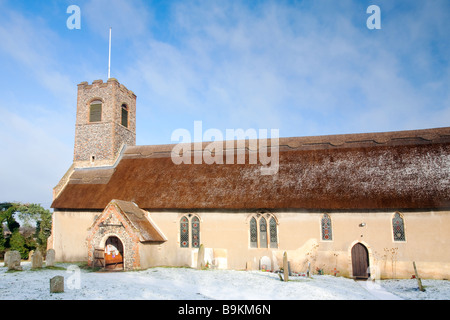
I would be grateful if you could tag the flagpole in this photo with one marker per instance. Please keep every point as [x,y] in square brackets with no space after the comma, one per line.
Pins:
[109,58]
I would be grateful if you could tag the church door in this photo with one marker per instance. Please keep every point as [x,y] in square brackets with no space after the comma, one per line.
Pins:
[113,253]
[360,261]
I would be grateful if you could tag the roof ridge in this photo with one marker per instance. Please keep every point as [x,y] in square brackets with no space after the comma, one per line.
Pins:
[296,143]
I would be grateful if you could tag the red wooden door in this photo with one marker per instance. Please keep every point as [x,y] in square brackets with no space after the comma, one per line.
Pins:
[360,261]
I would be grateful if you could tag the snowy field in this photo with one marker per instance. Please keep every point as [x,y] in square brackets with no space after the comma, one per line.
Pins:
[191,284]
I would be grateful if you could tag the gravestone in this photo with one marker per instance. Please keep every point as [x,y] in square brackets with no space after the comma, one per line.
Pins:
[57,284]
[285,267]
[209,258]
[220,258]
[201,258]
[5,258]
[36,259]
[265,263]
[50,258]
[14,260]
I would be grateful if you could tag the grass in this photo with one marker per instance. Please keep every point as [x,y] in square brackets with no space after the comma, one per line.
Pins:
[81,265]
[48,268]
[13,271]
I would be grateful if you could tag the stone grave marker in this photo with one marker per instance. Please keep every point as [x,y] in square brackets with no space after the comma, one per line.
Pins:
[14,260]
[5,258]
[50,258]
[36,259]
[265,263]
[57,284]
[201,258]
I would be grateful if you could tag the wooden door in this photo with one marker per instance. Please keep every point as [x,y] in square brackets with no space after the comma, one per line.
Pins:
[360,261]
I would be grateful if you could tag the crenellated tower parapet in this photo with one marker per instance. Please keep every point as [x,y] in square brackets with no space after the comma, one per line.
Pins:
[105,122]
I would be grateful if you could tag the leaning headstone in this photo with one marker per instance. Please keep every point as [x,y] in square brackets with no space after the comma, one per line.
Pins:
[419,281]
[50,258]
[36,260]
[57,284]
[14,260]
[6,257]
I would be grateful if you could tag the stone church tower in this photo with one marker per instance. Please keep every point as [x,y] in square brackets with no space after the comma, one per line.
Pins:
[105,122]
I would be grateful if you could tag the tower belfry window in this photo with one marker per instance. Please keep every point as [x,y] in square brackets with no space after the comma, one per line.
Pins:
[95,111]
[124,120]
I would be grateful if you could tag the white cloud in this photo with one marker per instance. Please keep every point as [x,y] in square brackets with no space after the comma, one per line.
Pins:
[306,71]
[33,158]
[33,46]
[33,120]
[128,19]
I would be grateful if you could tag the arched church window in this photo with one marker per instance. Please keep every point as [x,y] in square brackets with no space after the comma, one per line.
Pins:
[261,234]
[190,231]
[273,233]
[253,233]
[184,232]
[124,116]
[195,224]
[327,233]
[398,226]
[95,111]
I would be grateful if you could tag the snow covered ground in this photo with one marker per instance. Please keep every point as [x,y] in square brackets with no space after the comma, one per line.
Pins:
[191,284]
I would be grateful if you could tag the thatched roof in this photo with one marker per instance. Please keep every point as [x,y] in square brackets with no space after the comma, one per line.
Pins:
[391,170]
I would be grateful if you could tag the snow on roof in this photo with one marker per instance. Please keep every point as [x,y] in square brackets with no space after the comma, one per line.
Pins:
[390,170]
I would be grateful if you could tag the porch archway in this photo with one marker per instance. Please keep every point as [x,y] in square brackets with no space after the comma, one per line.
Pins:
[114,253]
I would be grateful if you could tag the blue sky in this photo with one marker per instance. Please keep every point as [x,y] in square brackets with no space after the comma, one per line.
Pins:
[303,67]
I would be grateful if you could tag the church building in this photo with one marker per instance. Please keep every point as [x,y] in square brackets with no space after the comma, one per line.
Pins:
[355,205]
